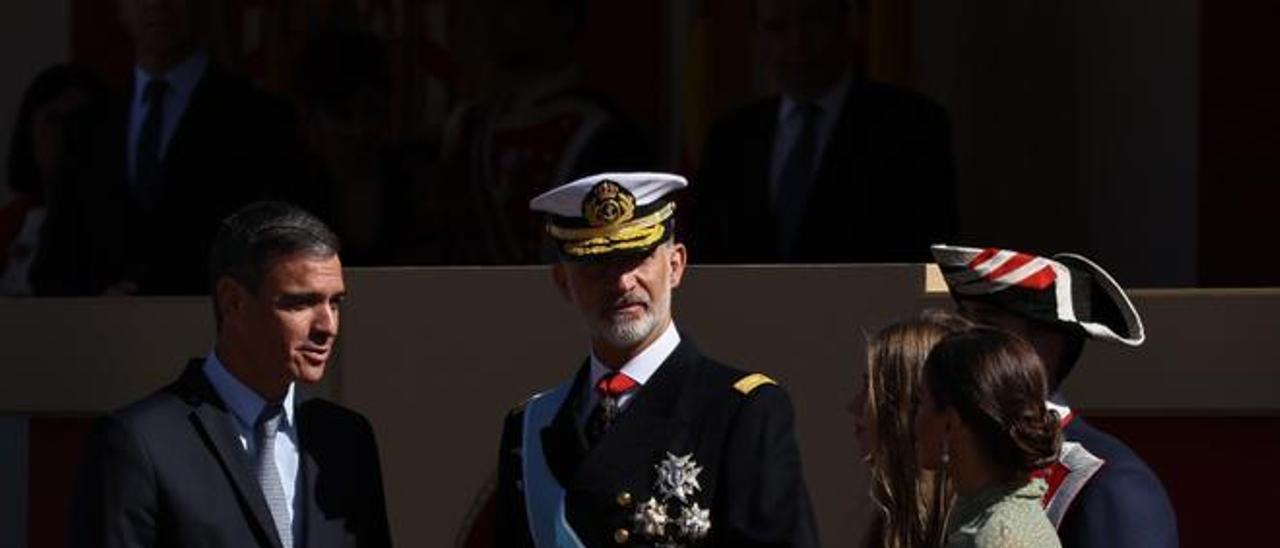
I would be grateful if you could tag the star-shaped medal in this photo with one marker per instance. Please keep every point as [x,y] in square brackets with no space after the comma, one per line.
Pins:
[678,477]
[694,522]
[651,518]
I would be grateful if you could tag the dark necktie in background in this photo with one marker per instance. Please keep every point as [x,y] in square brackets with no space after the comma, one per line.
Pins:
[147,158]
[610,387]
[796,178]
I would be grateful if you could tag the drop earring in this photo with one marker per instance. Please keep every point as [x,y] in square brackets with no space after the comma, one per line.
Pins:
[941,497]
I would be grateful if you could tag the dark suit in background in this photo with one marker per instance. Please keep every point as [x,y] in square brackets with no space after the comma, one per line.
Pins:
[883,190]
[751,476]
[232,145]
[170,471]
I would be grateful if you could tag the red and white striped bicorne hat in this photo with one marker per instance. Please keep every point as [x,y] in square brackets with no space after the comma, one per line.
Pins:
[1066,289]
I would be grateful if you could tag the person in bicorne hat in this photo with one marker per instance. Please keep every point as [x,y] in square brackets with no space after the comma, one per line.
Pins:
[1100,492]
[650,442]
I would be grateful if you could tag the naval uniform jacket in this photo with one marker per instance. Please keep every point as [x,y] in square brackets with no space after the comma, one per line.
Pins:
[744,440]
[169,471]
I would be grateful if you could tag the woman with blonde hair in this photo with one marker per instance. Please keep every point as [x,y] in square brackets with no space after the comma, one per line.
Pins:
[909,502]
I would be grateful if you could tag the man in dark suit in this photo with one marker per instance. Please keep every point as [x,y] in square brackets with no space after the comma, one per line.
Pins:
[227,455]
[835,168]
[651,442]
[189,145]
[1100,492]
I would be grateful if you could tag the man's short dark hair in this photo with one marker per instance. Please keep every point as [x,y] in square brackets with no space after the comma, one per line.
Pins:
[253,238]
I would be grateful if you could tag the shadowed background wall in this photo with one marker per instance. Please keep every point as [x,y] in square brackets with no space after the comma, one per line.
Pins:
[1140,133]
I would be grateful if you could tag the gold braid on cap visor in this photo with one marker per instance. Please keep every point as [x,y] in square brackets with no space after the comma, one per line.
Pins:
[636,234]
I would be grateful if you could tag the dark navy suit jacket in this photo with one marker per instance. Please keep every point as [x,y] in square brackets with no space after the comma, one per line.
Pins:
[884,189]
[233,145]
[169,471]
[1123,505]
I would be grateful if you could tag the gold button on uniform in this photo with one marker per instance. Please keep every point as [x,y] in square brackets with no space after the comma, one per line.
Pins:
[624,499]
[621,535]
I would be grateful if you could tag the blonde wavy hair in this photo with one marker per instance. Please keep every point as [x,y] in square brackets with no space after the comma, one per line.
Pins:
[912,502]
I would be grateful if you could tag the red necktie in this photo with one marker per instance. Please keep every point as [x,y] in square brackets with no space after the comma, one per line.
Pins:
[610,387]
[613,385]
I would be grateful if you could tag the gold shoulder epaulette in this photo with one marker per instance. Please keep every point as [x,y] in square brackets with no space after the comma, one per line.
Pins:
[749,383]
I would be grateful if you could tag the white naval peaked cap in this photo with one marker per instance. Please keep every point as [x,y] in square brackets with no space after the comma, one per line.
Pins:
[646,187]
[610,214]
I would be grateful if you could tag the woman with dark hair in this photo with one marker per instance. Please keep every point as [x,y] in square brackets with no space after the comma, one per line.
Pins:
[37,158]
[983,426]
[907,498]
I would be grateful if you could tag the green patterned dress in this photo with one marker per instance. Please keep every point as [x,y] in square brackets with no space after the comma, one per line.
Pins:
[1007,515]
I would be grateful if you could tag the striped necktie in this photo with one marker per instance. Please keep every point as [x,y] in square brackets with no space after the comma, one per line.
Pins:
[147,155]
[792,195]
[268,475]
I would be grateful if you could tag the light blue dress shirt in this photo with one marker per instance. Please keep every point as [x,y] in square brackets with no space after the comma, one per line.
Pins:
[182,79]
[246,405]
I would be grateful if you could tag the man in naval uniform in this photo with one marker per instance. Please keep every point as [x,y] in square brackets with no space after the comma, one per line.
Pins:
[1100,493]
[650,443]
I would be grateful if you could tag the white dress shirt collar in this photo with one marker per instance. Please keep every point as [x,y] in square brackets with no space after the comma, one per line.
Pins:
[639,368]
[646,363]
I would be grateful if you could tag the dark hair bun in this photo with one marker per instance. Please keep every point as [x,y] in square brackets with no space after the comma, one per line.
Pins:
[1037,439]
[994,379]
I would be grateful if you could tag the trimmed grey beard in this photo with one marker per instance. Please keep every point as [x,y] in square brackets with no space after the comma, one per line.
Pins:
[630,333]
[626,334]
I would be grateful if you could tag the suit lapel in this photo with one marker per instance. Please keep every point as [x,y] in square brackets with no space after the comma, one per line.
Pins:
[753,201]
[212,419]
[759,149]
[563,442]
[645,425]
[192,121]
[312,519]
[839,187]
[847,142]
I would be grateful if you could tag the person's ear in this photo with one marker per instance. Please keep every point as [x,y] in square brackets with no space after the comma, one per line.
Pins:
[231,298]
[677,260]
[561,279]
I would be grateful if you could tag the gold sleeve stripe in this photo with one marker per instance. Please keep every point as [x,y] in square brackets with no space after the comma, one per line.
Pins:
[751,382]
